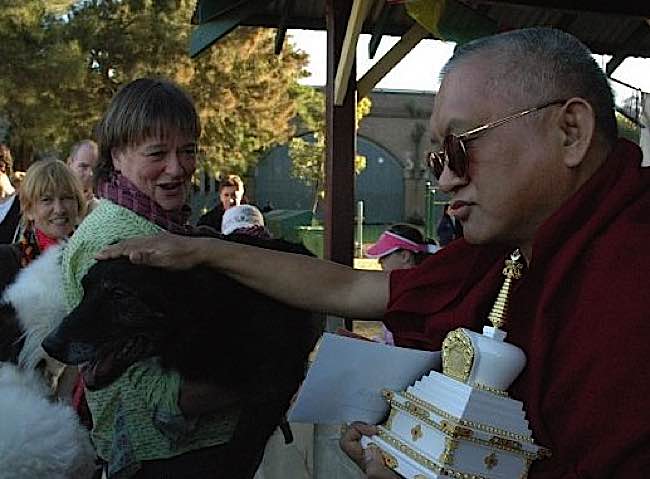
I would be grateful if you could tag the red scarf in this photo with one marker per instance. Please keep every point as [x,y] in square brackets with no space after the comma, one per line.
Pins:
[32,243]
[44,241]
[120,190]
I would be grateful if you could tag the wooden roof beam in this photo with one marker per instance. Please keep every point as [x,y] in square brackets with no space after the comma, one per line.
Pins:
[282,26]
[379,28]
[633,40]
[392,57]
[358,14]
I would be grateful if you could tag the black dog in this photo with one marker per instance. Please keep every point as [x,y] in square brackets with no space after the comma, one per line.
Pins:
[201,323]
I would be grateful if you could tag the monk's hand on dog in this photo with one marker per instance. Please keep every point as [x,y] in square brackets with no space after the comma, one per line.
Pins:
[164,250]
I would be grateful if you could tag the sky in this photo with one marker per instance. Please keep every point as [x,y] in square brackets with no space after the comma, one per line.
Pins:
[420,69]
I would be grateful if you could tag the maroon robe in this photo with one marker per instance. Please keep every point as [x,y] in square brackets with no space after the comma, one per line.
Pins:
[581,313]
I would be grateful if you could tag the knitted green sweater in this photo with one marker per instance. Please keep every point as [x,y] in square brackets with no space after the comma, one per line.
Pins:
[137,417]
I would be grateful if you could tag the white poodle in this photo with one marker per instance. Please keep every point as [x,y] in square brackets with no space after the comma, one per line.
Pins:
[39,437]
[37,296]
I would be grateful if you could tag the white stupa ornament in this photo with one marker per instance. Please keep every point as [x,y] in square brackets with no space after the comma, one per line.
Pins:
[461,423]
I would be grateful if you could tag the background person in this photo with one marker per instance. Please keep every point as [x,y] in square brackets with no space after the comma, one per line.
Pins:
[531,160]
[400,247]
[449,228]
[244,219]
[83,159]
[9,210]
[231,193]
[9,201]
[52,203]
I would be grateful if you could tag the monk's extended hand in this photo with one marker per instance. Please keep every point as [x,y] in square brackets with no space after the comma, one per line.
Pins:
[164,250]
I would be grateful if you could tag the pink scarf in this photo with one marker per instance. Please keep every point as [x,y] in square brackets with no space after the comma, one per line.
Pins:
[123,192]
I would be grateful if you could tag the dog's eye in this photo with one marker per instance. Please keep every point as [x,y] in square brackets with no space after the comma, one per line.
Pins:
[118,292]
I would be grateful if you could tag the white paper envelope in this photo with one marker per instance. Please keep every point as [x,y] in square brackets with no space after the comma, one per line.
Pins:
[345,381]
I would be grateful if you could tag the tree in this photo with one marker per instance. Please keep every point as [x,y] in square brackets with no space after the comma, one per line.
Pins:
[247,95]
[243,91]
[42,63]
[307,152]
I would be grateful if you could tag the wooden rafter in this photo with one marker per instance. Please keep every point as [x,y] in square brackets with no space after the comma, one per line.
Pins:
[357,16]
[638,35]
[282,25]
[380,69]
[379,28]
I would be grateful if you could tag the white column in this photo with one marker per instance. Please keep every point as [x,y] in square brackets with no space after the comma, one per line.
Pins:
[645,130]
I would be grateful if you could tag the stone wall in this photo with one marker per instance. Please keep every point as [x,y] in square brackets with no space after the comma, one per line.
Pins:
[399,122]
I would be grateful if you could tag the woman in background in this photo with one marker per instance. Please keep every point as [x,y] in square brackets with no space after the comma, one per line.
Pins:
[52,205]
[400,247]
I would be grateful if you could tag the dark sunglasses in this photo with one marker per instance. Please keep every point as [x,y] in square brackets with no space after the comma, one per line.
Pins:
[454,149]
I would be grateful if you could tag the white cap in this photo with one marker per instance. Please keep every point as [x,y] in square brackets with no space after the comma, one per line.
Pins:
[241,216]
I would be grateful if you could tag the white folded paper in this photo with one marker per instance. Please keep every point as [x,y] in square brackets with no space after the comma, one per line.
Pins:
[345,381]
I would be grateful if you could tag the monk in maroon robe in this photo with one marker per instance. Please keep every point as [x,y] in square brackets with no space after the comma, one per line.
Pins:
[580,312]
[530,157]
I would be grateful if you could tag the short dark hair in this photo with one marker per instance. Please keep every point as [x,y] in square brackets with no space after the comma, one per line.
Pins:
[141,109]
[543,64]
[407,232]
[231,180]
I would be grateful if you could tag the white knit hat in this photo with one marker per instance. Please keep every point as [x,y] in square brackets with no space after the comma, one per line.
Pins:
[242,216]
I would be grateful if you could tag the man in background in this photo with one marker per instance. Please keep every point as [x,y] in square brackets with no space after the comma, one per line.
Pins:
[231,193]
[82,161]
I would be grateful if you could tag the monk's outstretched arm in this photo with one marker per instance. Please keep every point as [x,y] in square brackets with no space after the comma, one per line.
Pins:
[301,281]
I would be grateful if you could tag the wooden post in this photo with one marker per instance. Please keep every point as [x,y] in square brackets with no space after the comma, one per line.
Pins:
[340,140]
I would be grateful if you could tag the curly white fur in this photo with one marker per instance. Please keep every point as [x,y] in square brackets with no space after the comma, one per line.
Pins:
[39,438]
[37,296]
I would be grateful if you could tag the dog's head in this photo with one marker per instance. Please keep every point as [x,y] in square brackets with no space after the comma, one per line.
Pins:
[120,321]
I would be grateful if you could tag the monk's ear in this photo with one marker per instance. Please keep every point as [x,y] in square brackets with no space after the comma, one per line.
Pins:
[577,124]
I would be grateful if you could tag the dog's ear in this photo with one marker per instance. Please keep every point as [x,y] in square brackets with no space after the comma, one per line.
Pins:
[11,335]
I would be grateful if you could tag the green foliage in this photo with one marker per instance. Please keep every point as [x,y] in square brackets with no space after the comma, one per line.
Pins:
[42,62]
[307,152]
[65,68]
[628,129]
[247,94]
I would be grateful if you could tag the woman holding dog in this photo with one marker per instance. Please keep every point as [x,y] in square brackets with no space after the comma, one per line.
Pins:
[52,204]
[150,422]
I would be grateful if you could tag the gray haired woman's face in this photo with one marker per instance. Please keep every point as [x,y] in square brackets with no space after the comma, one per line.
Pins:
[161,168]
